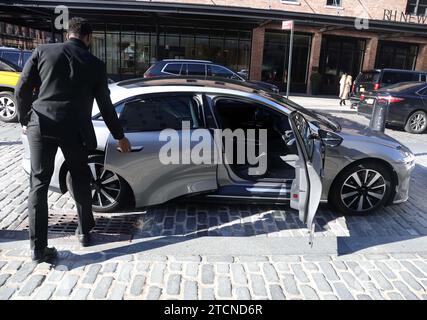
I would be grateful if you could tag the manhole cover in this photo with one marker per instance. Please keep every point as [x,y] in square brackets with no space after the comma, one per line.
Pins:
[66,222]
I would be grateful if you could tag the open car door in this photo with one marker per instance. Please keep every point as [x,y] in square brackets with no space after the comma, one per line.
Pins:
[164,131]
[306,188]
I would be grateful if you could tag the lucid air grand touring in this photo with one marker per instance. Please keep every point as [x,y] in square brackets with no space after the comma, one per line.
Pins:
[310,158]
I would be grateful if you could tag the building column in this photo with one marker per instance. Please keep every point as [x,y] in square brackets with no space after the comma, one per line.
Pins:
[422,58]
[313,66]
[370,54]
[257,51]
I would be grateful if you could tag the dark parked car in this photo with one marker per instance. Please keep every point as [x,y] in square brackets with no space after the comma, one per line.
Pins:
[16,56]
[373,80]
[407,105]
[203,68]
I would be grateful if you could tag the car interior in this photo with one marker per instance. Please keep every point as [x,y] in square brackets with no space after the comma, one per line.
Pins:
[234,114]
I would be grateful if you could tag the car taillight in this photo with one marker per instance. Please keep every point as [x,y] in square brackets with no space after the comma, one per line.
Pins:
[376,86]
[362,97]
[389,99]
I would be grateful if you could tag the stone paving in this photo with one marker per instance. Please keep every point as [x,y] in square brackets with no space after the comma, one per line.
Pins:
[137,276]
[98,275]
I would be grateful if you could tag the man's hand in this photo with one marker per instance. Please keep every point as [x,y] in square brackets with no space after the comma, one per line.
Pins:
[124,145]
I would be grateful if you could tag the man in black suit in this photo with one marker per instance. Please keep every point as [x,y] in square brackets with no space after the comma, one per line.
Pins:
[66,78]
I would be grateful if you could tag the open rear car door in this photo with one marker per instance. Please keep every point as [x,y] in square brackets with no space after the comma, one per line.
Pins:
[306,188]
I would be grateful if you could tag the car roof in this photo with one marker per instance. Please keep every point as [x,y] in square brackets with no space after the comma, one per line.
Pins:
[186,60]
[213,82]
[393,70]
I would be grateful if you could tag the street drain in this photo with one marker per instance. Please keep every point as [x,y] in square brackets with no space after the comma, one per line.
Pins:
[66,222]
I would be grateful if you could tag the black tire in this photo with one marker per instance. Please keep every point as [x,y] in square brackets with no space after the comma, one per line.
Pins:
[361,197]
[8,112]
[417,122]
[100,203]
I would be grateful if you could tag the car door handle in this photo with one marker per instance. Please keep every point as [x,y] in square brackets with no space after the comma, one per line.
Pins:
[132,149]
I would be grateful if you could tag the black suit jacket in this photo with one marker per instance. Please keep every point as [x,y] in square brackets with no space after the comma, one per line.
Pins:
[66,78]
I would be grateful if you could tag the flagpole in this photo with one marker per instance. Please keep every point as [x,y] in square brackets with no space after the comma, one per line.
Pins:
[288,84]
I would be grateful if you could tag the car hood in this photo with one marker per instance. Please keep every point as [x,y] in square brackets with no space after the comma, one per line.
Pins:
[366,135]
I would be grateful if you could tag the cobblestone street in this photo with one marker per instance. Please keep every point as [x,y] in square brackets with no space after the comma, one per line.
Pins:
[216,251]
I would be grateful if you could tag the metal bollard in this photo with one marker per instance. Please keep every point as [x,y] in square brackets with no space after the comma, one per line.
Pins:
[379,115]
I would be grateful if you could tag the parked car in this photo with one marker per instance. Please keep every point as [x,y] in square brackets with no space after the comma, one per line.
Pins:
[16,56]
[203,68]
[373,80]
[311,159]
[244,73]
[9,76]
[407,105]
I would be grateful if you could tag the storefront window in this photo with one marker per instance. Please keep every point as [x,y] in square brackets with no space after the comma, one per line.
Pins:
[202,44]
[113,53]
[97,46]
[275,60]
[396,55]
[127,54]
[339,55]
[142,53]
[130,50]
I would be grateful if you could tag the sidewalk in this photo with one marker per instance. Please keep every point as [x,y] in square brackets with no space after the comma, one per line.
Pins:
[322,104]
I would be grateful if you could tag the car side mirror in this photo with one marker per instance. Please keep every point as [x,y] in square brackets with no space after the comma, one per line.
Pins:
[330,139]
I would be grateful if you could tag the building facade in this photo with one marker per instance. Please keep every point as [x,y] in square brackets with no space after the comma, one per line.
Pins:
[331,36]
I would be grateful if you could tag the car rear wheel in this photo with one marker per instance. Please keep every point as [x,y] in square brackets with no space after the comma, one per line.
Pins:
[417,122]
[110,192]
[8,112]
[361,189]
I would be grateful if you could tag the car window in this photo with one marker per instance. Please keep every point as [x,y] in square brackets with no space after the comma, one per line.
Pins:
[119,109]
[11,56]
[423,78]
[25,57]
[304,129]
[5,67]
[158,112]
[218,71]
[173,68]
[396,77]
[423,92]
[368,77]
[196,69]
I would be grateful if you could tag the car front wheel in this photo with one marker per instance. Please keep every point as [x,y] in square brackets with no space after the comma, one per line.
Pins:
[108,190]
[362,188]
[417,122]
[8,112]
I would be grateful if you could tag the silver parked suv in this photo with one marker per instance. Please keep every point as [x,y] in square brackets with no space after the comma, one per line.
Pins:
[306,158]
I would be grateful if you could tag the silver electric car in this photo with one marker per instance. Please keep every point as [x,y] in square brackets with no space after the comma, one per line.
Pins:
[309,158]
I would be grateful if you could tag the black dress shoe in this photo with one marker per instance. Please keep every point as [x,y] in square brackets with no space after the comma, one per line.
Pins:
[84,238]
[44,255]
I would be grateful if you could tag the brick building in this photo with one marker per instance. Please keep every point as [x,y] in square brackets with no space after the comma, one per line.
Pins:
[331,36]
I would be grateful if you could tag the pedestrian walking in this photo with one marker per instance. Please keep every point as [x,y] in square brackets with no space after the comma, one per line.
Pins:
[67,78]
[345,87]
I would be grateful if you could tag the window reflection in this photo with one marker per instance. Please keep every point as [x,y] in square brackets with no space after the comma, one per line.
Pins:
[130,50]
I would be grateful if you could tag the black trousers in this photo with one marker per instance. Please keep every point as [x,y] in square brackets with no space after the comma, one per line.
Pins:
[43,151]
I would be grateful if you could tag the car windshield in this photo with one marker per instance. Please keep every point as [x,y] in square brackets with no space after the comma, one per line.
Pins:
[314,117]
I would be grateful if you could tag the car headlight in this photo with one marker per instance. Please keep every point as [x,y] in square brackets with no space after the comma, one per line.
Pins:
[407,157]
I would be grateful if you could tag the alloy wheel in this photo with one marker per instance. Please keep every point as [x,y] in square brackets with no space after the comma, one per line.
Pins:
[7,107]
[418,122]
[363,190]
[105,186]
